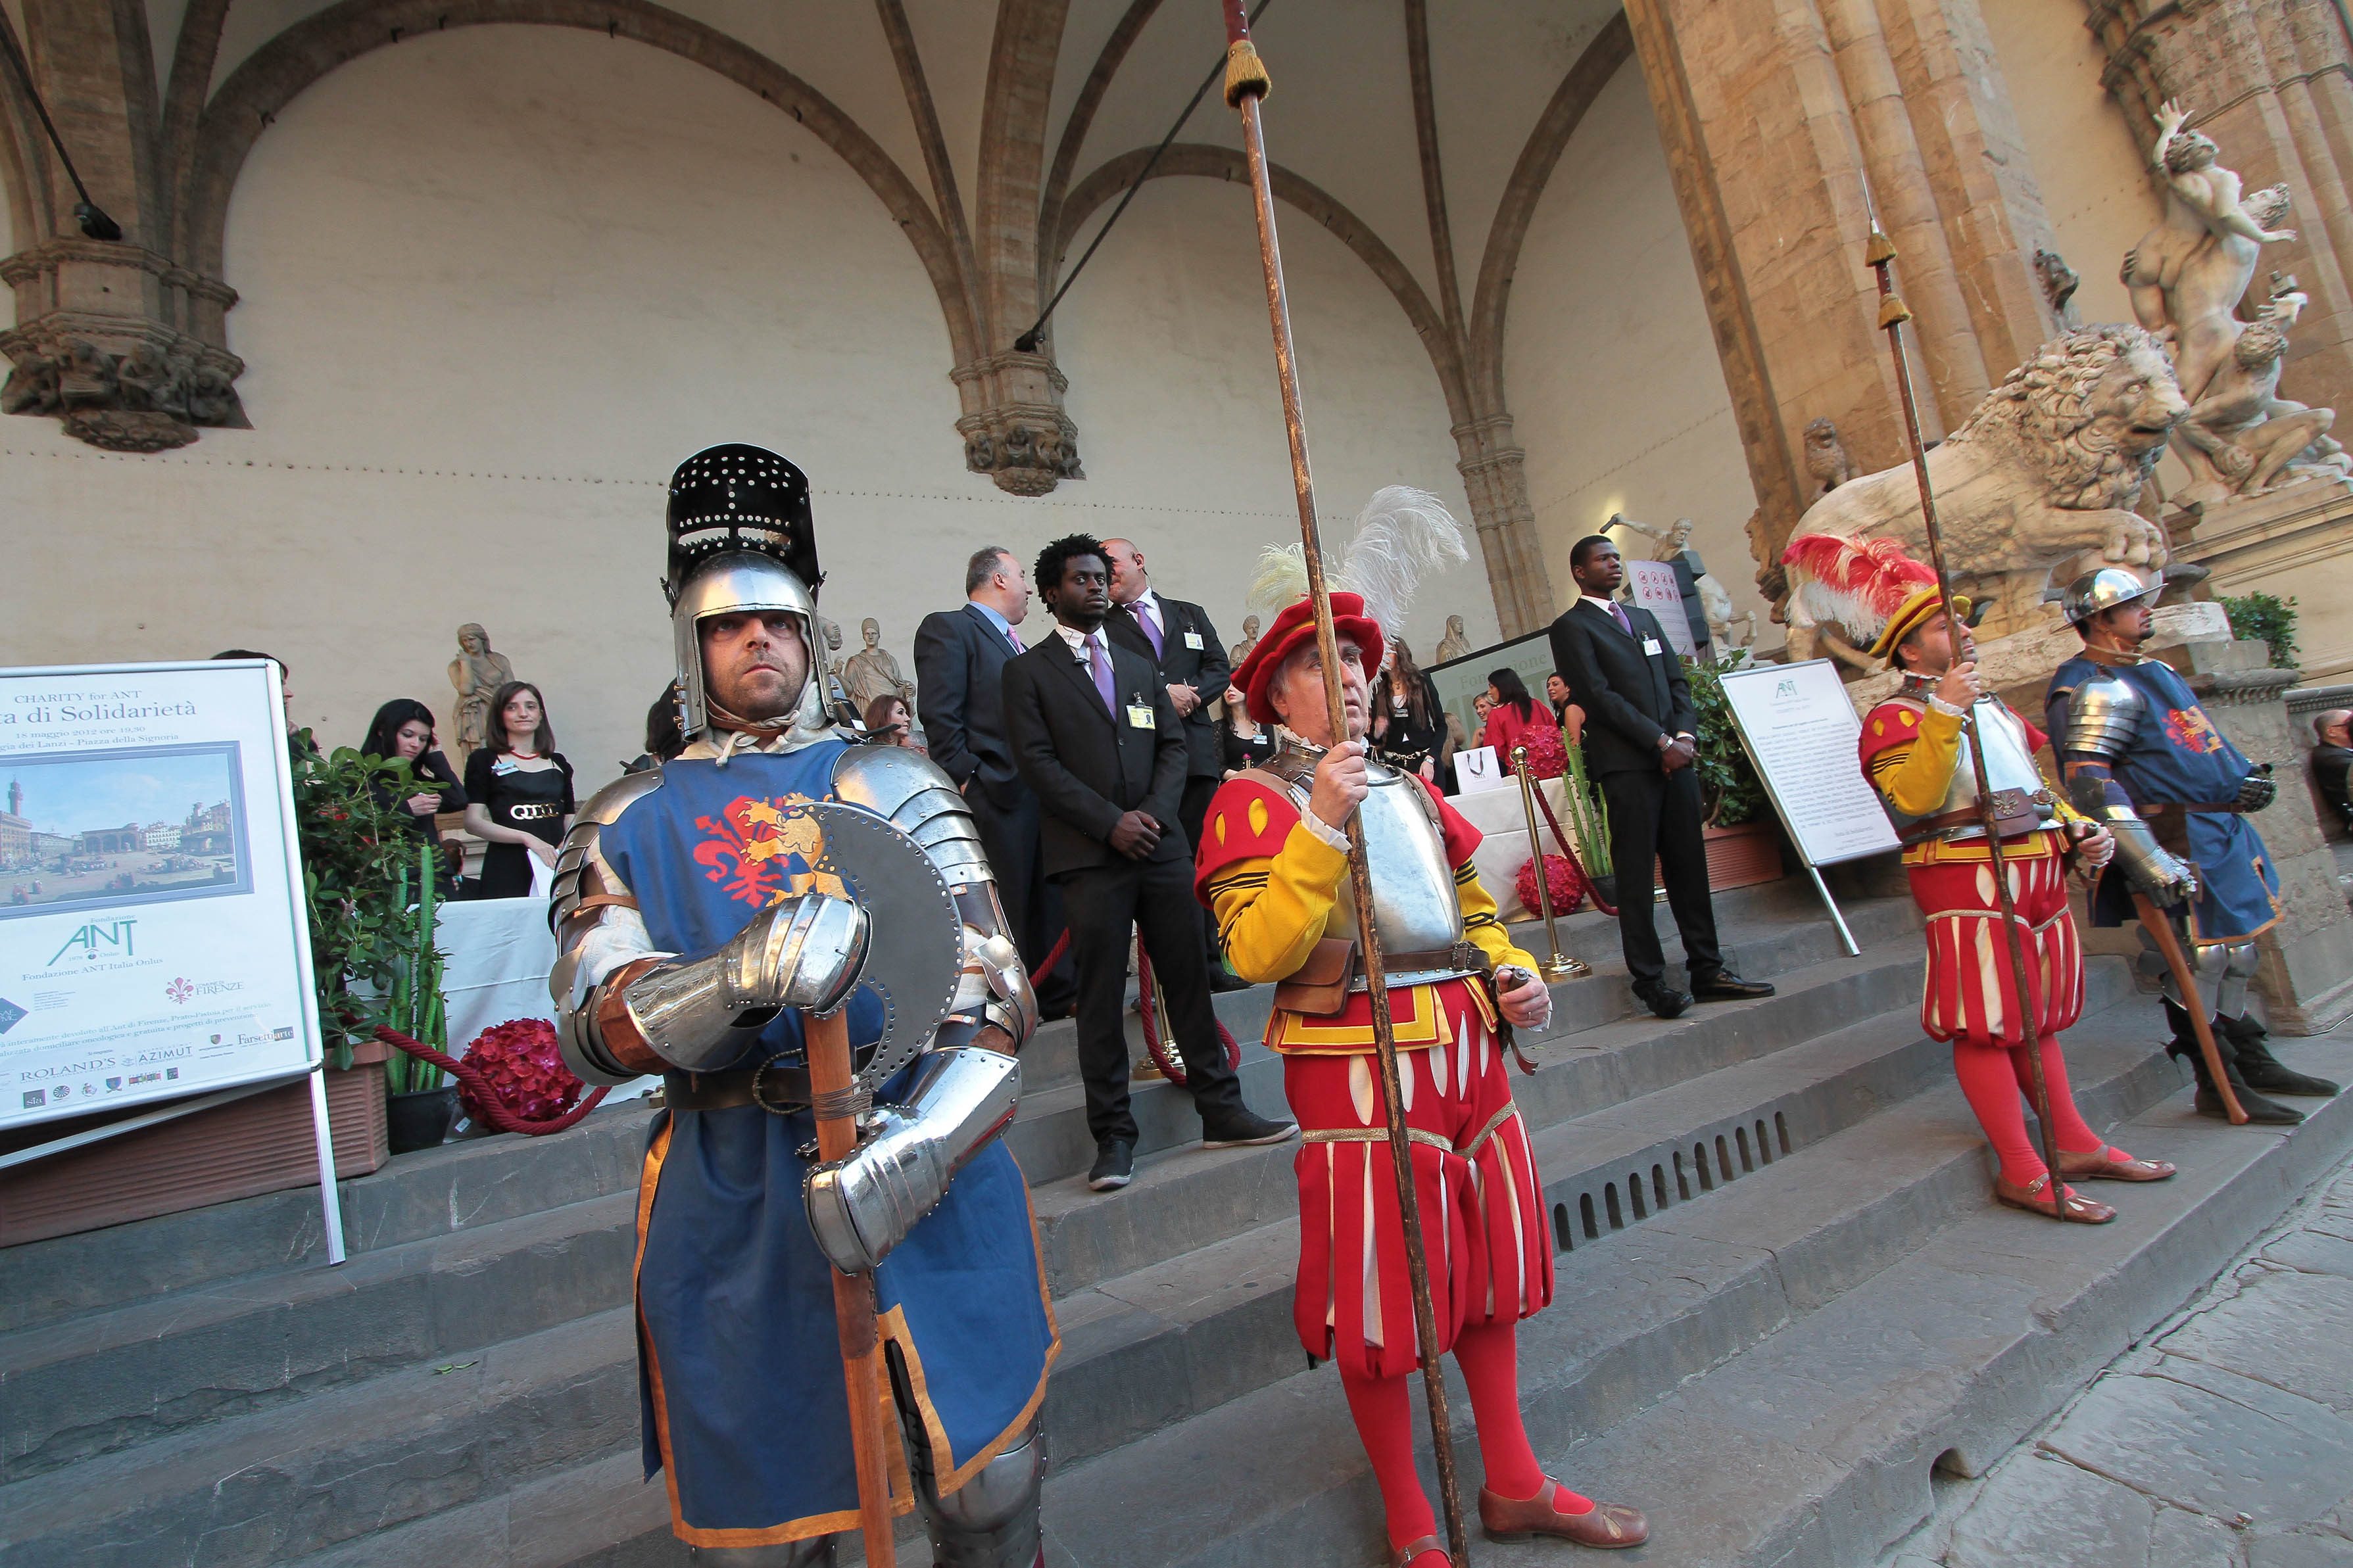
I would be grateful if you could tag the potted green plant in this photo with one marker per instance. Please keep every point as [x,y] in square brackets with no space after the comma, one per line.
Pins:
[1589,822]
[1742,847]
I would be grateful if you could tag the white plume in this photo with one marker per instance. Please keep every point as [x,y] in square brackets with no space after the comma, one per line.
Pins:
[1402,534]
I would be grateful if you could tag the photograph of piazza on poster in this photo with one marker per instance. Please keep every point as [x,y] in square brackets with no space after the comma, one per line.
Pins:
[137,825]
[153,940]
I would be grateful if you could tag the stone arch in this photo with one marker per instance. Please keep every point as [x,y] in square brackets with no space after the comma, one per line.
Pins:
[1206,161]
[1610,50]
[274,75]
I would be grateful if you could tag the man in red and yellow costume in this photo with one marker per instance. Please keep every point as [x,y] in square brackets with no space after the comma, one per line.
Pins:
[1272,866]
[1914,751]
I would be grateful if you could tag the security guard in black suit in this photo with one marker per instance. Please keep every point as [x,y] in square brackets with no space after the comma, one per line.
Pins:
[1096,737]
[1178,637]
[1638,745]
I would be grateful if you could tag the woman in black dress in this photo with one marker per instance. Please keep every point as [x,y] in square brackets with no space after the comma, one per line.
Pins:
[402,732]
[1408,727]
[518,793]
[1247,742]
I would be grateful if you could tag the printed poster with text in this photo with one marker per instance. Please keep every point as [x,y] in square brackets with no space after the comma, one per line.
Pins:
[153,941]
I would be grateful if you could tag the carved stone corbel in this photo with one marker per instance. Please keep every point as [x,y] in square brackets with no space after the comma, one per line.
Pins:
[1015,430]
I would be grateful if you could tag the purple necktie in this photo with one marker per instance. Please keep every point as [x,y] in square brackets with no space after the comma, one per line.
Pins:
[1152,632]
[1101,668]
[1015,638]
[1624,624]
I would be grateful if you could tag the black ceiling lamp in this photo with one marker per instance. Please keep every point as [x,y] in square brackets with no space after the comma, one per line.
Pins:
[87,213]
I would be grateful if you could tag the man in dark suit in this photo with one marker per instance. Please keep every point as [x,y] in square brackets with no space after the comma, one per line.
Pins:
[1178,637]
[960,659]
[1638,746]
[1095,735]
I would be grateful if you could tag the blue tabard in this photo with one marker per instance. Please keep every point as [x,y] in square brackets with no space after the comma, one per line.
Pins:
[739,1366]
[2177,755]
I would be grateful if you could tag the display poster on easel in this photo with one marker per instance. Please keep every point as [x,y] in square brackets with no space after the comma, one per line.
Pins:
[153,941]
[1802,733]
[1656,589]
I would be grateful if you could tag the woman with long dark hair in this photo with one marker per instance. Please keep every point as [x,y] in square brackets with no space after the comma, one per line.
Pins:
[1243,742]
[518,792]
[1519,719]
[1408,726]
[402,731]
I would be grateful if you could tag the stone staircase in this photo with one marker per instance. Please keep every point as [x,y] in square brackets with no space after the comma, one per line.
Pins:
[1783,1297]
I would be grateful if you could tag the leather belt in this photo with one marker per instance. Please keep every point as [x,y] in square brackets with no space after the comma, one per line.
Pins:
[2015,813]
[535,811]
[772,1087]
[1464,958]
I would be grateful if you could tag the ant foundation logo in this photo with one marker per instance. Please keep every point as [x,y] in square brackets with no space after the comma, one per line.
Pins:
[98,939]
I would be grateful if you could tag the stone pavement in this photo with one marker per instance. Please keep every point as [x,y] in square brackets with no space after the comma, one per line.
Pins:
[2224,1440]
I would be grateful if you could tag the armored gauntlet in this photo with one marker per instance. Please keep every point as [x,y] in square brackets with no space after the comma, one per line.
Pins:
[862,1205]
[2146,865]
[2257,790]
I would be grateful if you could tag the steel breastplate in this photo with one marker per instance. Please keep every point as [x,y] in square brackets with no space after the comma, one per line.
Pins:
[1416,915]
[2010,766]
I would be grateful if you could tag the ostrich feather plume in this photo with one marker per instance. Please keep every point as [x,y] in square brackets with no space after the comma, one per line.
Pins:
[1403,535]
[1858,584]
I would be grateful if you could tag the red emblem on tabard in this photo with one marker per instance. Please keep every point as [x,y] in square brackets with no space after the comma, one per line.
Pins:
[2191,731]
[759,852]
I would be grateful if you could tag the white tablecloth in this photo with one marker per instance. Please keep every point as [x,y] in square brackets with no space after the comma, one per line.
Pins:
[495,956]
[1503,849]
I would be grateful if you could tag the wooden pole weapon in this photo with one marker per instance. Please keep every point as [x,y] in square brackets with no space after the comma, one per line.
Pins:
[1893,314]
[831,1080]
[1246,84]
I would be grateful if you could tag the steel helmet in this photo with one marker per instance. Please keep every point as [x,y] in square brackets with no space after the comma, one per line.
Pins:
[2102,590]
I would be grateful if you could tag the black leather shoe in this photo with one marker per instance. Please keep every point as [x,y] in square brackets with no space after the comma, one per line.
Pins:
[1722,987]
[1222,979]
[1244,1130]
[1662,999]
[1114,1165]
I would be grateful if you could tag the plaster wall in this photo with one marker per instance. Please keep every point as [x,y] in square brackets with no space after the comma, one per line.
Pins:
[496,282]
[1615,387]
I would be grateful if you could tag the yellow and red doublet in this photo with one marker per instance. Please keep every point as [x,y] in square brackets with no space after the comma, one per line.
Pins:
[1273,884]
[1909,750]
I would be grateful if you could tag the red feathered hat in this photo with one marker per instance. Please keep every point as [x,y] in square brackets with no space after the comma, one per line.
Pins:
[1295,625]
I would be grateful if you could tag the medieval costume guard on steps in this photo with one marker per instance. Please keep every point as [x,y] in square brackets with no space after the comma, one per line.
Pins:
[695,921]
[2137,751]
[1272,866]
[1915,752]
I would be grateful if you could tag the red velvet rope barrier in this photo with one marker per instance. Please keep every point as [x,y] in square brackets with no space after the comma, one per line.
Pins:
[1171,1063]
[494,1111]
[1562,839]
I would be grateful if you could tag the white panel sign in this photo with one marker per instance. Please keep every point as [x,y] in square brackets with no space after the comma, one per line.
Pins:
[1656,590]
[152,938]
[1801,733]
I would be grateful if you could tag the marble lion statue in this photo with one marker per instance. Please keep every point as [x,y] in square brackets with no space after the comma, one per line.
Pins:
[2041,474]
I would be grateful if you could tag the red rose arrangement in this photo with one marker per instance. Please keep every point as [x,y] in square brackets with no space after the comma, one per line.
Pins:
[520,1062]
[1567,888]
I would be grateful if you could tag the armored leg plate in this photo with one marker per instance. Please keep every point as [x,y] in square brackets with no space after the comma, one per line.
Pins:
[813,1554]
[990,1521]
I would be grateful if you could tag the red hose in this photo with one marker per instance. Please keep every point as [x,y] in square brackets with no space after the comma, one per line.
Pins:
[494,1109]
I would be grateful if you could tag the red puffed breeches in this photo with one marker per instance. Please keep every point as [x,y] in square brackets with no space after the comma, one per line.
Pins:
[1482,1212]
[1969,994]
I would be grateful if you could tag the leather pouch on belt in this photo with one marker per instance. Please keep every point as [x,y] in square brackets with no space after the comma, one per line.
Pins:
[1319,987]
[2014,812]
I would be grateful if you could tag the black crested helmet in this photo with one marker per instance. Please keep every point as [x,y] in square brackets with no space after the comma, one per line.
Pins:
[739,497]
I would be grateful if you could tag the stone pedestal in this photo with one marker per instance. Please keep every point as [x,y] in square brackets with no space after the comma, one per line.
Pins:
[2290,542]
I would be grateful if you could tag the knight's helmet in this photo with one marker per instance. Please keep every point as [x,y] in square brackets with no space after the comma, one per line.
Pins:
[741,538]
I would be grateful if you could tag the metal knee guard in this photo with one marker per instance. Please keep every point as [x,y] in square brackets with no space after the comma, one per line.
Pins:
[813,1554]
[991,1520]
[2230,998]
[2207,964]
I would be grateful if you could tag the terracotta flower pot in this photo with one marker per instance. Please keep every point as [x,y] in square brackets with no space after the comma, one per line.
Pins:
[1742,857]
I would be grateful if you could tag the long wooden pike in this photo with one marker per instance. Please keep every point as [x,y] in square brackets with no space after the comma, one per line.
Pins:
[1893,314]
[1246,84]
[831,1079]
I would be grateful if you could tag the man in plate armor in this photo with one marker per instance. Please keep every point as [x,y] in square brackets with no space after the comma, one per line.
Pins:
[2140,754]
[1916,754]
[697,917]
[1272,866]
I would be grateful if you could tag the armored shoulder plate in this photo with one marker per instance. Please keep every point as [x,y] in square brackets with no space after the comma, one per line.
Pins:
[919,799]
[2103,714]
[580,848]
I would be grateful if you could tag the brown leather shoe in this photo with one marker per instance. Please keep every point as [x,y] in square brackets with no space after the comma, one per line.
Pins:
[1607,1525]
[2096,1167]
[2033,1198]
[1407,1553]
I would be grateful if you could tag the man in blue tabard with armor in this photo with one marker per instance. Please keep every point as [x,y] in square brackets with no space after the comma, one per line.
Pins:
[2140,756]
[696,917]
